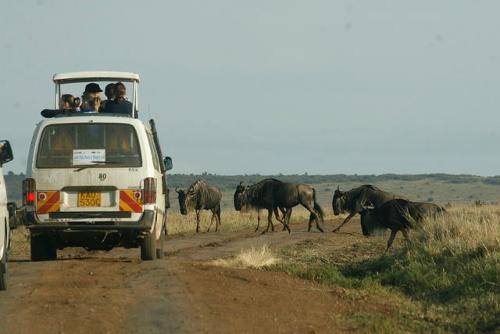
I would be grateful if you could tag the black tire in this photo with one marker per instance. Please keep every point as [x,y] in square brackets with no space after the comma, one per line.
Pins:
[3,273]
[160,251]
[148,247]
[42,248]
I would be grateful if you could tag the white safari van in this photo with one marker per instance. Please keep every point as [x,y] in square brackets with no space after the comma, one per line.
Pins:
[96,180]
[5,156]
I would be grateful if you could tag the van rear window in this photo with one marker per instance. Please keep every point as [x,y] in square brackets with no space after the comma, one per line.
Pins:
[99,144]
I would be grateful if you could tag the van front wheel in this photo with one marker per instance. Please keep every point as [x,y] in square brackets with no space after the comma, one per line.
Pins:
[148,247]
[41,248]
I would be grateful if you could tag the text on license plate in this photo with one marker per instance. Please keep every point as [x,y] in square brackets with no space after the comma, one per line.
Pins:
[89,198]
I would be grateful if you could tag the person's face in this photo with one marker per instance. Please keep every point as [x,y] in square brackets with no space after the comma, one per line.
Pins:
[110,92]
[121,91]
[93,95]
[64,105]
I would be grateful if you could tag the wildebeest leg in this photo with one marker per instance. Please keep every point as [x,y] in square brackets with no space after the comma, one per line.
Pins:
[212,220]
[269,221]
[313,216]
[277,215]
[344,222]
[391,239]
[286,219]
[197,221]
[281,220]
[318,226]
[217,218]
[258,221]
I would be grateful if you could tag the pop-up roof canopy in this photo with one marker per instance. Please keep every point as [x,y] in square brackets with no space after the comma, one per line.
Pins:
[93,76]
[89,76]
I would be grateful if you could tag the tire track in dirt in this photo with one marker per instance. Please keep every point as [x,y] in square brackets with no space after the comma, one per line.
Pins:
[114,292]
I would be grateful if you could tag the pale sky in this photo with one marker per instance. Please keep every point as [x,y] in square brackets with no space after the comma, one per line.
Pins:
[281,86]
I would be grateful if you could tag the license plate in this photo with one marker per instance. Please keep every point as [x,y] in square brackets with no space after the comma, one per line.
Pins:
[89,198]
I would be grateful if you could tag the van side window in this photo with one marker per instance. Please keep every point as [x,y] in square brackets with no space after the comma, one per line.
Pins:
[152,146]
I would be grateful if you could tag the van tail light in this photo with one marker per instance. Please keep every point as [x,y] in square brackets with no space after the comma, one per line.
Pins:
[29,187]
[149,191]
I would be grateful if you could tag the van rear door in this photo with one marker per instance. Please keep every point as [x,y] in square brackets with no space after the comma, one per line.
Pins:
[89,171]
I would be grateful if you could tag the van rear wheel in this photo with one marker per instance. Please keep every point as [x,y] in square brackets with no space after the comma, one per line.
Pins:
[42,248]
[160,251]
[148,247]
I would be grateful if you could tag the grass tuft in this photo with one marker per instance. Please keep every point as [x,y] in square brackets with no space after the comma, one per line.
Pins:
[250,258]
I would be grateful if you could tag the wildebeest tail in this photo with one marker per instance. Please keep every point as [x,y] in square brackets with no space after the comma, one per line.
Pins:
[317,207]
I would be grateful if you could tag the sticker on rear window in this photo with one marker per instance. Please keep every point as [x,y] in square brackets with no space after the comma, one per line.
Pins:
[88,157]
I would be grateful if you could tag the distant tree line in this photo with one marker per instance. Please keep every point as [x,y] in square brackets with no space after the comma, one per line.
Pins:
[229,182]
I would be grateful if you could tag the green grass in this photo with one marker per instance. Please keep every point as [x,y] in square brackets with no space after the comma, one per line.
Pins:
[450,270]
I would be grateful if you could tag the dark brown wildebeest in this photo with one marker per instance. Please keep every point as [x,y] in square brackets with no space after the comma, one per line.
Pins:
[200,196]
[355,200]
[397,215]
[257,204]
[271,194]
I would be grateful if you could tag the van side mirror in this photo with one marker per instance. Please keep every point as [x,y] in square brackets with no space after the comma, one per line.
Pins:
[5,152]
[168,163]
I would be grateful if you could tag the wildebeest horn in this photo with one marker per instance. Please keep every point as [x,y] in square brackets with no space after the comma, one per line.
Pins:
[367,207]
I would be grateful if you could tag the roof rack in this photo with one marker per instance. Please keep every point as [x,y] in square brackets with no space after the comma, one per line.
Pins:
[88,114]
[57,113]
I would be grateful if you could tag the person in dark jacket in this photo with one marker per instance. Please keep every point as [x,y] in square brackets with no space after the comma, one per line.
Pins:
[120,105]
[109,91]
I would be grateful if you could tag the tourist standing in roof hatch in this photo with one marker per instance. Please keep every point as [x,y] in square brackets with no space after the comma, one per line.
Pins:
[109,91]
[67,102]
[120,104]
[91,98]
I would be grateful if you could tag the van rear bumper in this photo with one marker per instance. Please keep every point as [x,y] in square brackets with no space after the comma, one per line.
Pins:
[145,223]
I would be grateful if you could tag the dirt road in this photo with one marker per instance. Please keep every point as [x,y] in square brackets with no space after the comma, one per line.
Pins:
[114,292]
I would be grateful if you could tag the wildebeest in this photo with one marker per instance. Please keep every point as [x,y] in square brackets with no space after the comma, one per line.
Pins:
[271,194]
[355,200]
[397,215]
[200,196]
[254,202]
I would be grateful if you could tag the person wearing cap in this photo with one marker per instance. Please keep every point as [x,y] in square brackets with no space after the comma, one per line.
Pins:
[91,98]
